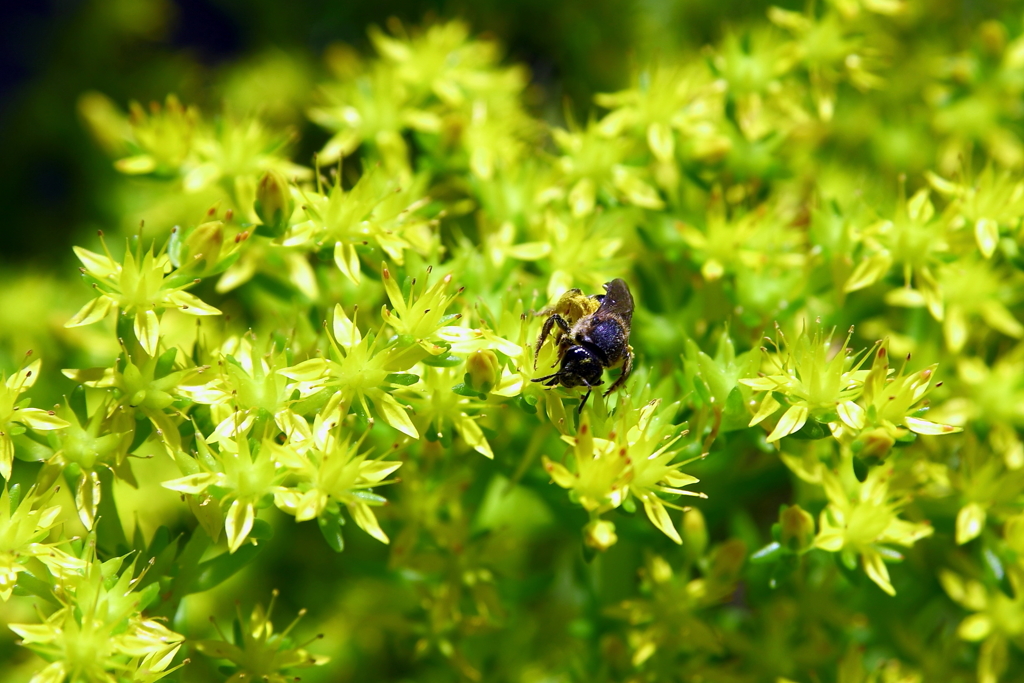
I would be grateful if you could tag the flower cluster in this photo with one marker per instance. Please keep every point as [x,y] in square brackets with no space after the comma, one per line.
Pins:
[353,338]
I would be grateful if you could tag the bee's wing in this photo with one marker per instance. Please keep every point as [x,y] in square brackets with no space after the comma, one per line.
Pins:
[617,300]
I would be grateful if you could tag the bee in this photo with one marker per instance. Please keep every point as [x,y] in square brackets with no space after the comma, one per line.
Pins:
[592,335]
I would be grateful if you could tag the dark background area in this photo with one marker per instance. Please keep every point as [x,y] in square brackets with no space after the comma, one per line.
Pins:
[53,177]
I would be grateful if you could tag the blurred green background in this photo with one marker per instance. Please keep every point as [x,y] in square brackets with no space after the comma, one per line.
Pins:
[55,181]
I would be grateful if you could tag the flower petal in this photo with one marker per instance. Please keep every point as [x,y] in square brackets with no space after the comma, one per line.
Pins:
[791,421]
[877,571]
[26,377]
[658,515]
[559,474]
[6,456]
[347,261]
[147,330]
[193,483]
[364,517]
[768,406]
[191,304]
[87,498]
[986,232]
[393,292]
[40,420]
[238,523]
[975,627]
[345,331]
[308,370]
[869,271]
[851,414]
[373,471]
[394,414]
[970,522]
[91,312]
[474,436]
[98,265]
[919,426]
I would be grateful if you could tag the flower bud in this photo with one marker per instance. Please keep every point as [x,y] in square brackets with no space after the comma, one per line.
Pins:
[797,529]
[695,533]
[600,535]
[201,243]
[874,445]
[274,202]
[484,370]
[727,559]
[659,570]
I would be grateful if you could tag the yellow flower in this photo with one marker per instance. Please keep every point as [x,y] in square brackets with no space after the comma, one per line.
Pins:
[996,618]
[143,285]
[913,240]
[359,373]
[15,415]
[861,519]
[985,204]
[593,164]
[601,470]
[100,628]
[329,469]
[261,654]
[149,385]
[250,386]
[894,403]
[242,473]
[25,522]
[813,384]
[439,409]
[91,442]
[635,460]
[376,209]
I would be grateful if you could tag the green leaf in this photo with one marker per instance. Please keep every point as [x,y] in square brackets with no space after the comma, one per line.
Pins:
[463,389]
[165,363]
[14,495]
[330,526]
[442,361]
[812,430]
[37,587]
[224,566]
[76,401]
[525,404]
[404,379]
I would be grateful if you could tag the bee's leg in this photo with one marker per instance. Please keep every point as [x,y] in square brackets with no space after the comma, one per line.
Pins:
[549,381]
[579,410]
[553,319]
[627,368]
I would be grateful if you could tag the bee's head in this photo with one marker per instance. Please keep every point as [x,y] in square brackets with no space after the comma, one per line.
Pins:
[579,366]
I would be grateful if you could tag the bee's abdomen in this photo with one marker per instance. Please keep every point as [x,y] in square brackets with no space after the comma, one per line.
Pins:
[606,340]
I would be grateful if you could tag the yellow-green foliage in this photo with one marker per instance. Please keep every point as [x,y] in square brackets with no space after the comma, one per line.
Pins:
[820,221]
